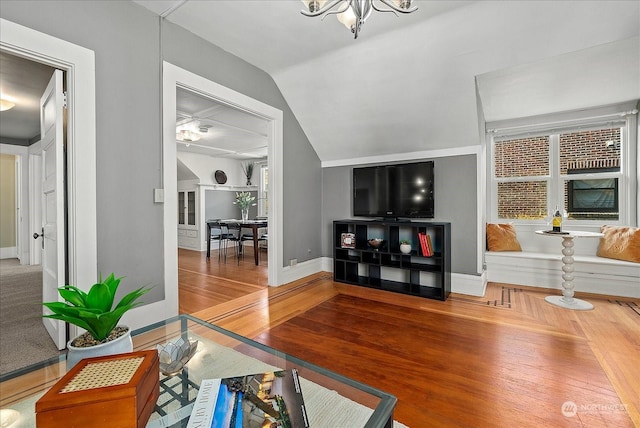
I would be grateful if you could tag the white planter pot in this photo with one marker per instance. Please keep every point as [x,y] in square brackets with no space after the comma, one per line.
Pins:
[120,345]
[405,248]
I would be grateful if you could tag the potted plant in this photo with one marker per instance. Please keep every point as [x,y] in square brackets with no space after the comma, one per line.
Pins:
[95,312]
[244,200]
[405,246]
[247,168]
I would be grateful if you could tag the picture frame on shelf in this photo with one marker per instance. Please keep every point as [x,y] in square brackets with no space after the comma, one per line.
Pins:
[347,240]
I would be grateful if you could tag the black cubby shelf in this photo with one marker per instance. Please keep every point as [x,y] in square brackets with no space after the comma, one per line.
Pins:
[387,268]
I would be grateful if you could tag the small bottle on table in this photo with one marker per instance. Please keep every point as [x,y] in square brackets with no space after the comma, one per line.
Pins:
[557,221]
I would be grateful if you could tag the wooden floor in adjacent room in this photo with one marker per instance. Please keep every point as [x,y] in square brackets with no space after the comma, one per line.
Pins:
[506,359]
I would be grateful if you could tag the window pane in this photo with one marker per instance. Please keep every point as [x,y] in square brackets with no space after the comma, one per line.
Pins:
[592,151]
[524,157]
[180,207]
[522,200]
[593,199]
[191,209]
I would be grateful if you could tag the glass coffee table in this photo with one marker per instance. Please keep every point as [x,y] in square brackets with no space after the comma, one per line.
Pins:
[331,399]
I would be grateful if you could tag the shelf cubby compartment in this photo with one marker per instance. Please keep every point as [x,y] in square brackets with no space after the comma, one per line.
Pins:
[413,273]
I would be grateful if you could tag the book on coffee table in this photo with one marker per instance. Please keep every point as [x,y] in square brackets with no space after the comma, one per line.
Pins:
[256,400]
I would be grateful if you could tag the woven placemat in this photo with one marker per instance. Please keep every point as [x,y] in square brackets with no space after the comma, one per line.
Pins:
[104,373]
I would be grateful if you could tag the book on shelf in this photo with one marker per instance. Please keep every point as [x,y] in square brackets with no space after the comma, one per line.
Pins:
[255,400]
[427,249]
[429,245]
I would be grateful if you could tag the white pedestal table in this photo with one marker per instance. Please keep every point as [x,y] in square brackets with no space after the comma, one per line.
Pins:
[566,300]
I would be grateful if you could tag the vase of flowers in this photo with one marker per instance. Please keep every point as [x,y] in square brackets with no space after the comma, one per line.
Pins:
[244,200]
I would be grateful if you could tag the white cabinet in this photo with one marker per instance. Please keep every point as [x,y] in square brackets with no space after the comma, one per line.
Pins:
[188,230]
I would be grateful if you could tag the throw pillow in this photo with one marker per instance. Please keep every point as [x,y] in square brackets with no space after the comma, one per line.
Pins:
[502,237]
[620,242]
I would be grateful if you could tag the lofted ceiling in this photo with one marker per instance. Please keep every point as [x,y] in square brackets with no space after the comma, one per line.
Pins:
[407,85]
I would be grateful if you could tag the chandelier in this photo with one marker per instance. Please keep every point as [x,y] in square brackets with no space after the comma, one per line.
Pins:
[187,136]
[353,13]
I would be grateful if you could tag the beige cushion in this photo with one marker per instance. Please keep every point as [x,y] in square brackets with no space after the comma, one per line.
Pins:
[620,242]
[502,237]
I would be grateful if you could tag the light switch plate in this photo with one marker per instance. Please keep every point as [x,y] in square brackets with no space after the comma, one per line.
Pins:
[158,196]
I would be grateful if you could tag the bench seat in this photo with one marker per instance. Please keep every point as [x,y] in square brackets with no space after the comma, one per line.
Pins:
[592,274]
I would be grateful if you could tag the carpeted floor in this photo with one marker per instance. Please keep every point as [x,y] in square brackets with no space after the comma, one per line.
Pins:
[23,338]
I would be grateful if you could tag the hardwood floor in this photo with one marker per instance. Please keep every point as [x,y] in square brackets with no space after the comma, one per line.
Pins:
[507,359]
[204,283]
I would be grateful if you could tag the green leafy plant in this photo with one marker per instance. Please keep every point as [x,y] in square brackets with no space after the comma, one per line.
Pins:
[406,242]
[94,310]
[244,200]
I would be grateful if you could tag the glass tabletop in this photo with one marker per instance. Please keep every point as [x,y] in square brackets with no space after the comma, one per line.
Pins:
[331,400]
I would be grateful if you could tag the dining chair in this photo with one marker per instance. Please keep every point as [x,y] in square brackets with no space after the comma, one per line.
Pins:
[234,236]
[216,234]
[262,237]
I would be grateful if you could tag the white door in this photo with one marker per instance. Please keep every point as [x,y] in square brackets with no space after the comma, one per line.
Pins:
[53,230]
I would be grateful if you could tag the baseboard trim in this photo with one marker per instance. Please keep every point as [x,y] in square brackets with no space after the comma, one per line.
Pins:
[472,285]
[8,253]
[302,269]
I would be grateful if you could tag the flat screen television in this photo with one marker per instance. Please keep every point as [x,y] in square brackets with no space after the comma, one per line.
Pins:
[394,191]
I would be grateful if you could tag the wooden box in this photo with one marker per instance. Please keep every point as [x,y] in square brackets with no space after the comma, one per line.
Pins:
[111,391]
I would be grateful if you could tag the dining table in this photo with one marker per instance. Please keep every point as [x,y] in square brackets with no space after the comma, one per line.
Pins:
[254,225]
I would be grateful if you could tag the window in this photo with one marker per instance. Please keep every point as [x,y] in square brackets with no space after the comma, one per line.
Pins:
[578,166]
[263,201]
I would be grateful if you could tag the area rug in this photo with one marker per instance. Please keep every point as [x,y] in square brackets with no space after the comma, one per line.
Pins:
[24,339]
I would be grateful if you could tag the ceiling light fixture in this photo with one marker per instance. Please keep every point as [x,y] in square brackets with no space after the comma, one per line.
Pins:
[187,135]
[353,13]
[6,104]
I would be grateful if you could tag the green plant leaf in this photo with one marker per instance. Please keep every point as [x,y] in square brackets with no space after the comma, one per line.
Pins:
[73,295]
[76,321]
[126,300]
[100,297]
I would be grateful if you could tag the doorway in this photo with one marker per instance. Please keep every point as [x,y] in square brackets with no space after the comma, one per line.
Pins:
[173,78]
[79,65]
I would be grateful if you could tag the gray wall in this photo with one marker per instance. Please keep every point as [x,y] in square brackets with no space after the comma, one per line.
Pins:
[455,202]
[126,42]
[218,204]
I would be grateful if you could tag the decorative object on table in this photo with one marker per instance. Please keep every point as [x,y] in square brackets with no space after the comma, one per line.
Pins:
[220,176]
[244,200]
[502,237]
[266,399]
[247,168]
[376,243]
[94,312]
[347,240]
[405,246]
[109,391]
[174,355]
[556,221]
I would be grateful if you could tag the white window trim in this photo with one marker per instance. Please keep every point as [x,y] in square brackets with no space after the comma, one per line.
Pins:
[577,120]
